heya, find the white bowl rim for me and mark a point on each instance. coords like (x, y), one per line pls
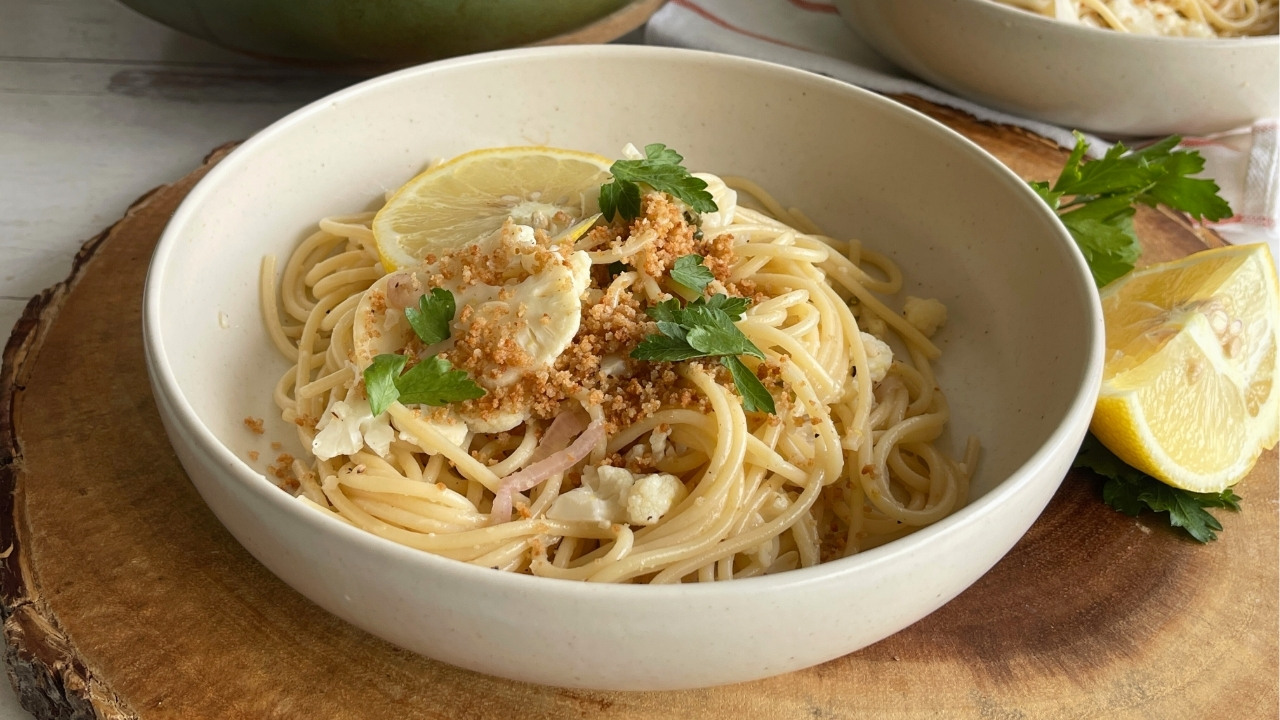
(1104, 35)
(162, 375)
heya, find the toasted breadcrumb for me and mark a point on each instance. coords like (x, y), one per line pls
(254, 424)
(281, 469)
(670, 236)
(596, 369)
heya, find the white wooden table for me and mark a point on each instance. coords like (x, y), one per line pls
(97, 106)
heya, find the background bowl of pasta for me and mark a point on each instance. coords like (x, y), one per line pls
(1079, 72)
(760, 533)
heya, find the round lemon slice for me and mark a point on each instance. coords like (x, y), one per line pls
(1189, 390)
(469, 198)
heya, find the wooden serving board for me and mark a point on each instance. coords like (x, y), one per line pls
(123, 597)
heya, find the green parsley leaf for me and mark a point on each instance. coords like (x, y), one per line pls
(734, 307)
(664, 348)
(1197, 197)
(673, 330)
(1186, 510)
(755, 398)
(666, 311)
(1071, 171)
(380, 381)
(1158, 148)
(1227, 499)
(661, 170)
(1046, 193)
(702, 329)
(1103, 194)
(620, 198)
(1130, 491)
(715, 340)
(435, 382)
(660, 154)
(1111, 249)
(714, 333)
(708, 322)
(430, 320)
(689, 271)
(431, 382)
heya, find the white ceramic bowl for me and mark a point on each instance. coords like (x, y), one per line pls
(1078, 77)
(1022, 349)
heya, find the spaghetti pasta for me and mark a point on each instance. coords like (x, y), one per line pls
(1191, 18)
(603, 467)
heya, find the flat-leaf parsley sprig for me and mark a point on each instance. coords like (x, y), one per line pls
(430, 320)
(1129, 491)
(433, 381)
(661, 170)
(705, 328)
(1100, 201)
(1101, 196)
(689, 271)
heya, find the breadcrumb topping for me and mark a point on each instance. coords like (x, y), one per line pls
(596, 368)
(610, 328)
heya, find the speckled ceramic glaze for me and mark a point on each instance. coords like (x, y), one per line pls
(386, 32)
(1078, 77)
(1021, 364)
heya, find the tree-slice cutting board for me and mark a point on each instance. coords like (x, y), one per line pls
(123, 597)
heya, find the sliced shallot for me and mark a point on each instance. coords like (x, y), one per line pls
(560, 433)
(403, 290)
(538, 472)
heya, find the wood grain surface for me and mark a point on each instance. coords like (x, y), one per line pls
(123, 597)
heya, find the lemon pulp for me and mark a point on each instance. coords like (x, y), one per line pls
(1188, 392)
(470, 197)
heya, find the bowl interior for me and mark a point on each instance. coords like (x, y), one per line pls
(963, 229)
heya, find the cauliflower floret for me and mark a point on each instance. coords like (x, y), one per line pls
(653, 451)
(879, 356)
(653, 496)
(658, 441)
(600, 498)
(925, 314)
(613, 484)
(873, 324)
(613, 366)
(348, 426)
(631, 152)
(581, 504)
(613, 495)
(451, 427)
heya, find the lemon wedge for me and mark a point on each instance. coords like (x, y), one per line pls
(1189, 383)
(469, 198)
